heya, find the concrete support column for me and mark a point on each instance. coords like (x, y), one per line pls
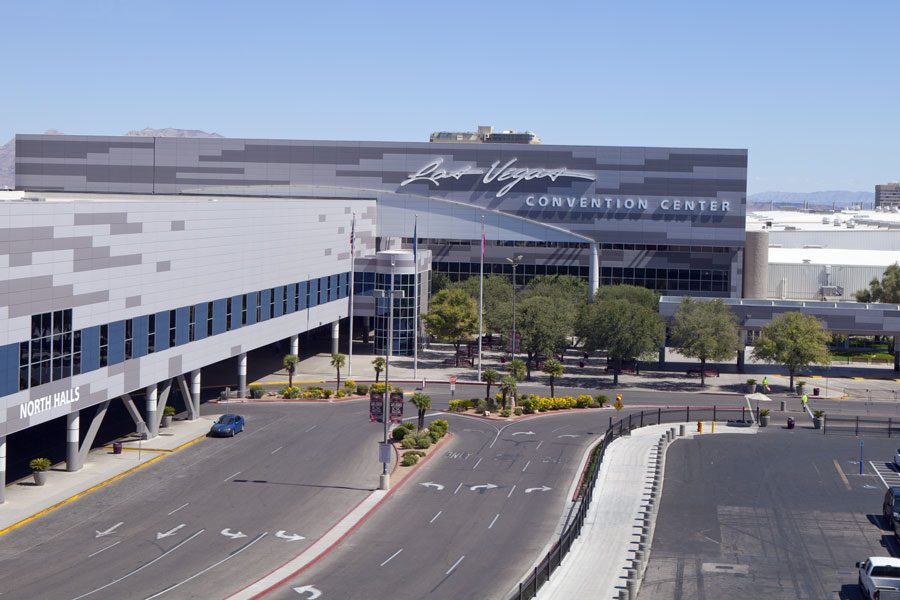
(594, 272)
(152, 419)
(335, 334)
(195, 392)
(72, 436)
(741, 355)
(2, 469)
(662, 357)
(242, 374)
(897, 360)
(295, 345)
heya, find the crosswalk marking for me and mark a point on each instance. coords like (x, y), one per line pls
(887, 473)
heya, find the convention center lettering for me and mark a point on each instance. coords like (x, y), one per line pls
(512, 175)
(45, 403)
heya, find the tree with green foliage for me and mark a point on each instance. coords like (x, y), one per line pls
(887, 290)
(554, 369)
(544, 326)
(453, 316)
(632, 293)
(422, 402)
(706, 330)
(378, 363)
(794, 340)
(290, 363)
(567, 295)
(337, 362)
(516, 369)
(508, 388)
(490, 377)
(497, 317)
(439, 281)
(623, 324)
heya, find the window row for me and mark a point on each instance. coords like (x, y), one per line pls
(585, 245)
(56, 352)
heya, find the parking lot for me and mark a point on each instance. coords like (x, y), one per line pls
(783, 514)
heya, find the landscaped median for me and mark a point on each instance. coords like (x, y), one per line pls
(528, 405)
(415, 445)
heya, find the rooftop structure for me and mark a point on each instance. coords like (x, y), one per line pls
(887, 195)
(485, 135)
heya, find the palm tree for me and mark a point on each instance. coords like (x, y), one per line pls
(507, 388)
(423, 403)
(516, 370)
(290, 363)
(378, 363)
(554, 369)
(337, 361)
(490, 377)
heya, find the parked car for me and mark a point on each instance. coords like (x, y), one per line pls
(897, 458)
(879, 578)
(708, 371)
(229, 425)
(890, 507)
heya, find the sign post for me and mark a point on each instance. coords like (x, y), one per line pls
(860, 457)
(618, 405)
(452, 385)
(376, 407)
(396, 404)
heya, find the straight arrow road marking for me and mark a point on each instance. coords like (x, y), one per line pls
(106, 532)
(313, 592)
(172, 531)
(438, 486)
(291, 537)
(233, 535)
(543, 488)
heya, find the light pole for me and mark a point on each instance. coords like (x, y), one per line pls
(385, 481)
(515, 263)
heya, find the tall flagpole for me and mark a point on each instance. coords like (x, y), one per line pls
(481, 298)
(416, 299)
(350, 352)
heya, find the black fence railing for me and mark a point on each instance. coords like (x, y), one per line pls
(541, 573)
(860, 425)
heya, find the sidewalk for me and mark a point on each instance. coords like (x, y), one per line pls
(26, 501)
(598, 563)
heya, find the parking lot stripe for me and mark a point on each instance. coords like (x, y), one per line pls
(841, 473)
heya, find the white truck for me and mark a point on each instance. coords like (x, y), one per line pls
(879, 578)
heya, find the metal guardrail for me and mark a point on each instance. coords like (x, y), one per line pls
(860, 425)
(542, 572)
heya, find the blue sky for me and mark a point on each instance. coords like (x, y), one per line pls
(812, 89)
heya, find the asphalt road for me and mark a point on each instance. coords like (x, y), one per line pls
(783, 514)
(470, 522)
(206, 521)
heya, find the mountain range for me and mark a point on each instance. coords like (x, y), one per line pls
(762, 200)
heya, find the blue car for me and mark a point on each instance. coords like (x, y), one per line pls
(227, 425)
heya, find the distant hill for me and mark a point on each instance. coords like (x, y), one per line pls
(837, 198)
(7, 150)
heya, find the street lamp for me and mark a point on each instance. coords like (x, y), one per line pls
(515, 262)
(385, 481)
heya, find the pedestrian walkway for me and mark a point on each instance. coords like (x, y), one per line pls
(597, 566)
(26, 501)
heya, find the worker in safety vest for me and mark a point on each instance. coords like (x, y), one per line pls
(804, 399)
(766, 384)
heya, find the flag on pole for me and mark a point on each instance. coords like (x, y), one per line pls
(352, 232)
(481, 298)
(416, 298)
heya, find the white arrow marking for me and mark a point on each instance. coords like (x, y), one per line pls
(108, 531)
(543, 488)
(228, 533)
(522, 433)
(314, 593)
(291, 537)
(172, 531)
(486, 486)
(432, 484)
(567, 435)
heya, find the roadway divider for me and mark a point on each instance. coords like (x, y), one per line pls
(542, 572)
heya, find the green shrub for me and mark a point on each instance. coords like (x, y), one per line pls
(765, 412)
(257, 391)
(399, 433)
(423, 442)
(290, 392)
(408, 442)
(505, 413)
(39, 464)
(408, 425)
(439, 424)
(340, 394)
(751, 381)
(482, 406)
(583, 401)
(409, 460)
(434, 436)
(529, 404)
(326, 393)
(818, 414)
(362, 389)
(377, 387)
(518, 411)
(169, 411)
(601, 400)
(594, 404)
(349, 386)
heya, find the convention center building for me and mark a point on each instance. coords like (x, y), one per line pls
(127, 264)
